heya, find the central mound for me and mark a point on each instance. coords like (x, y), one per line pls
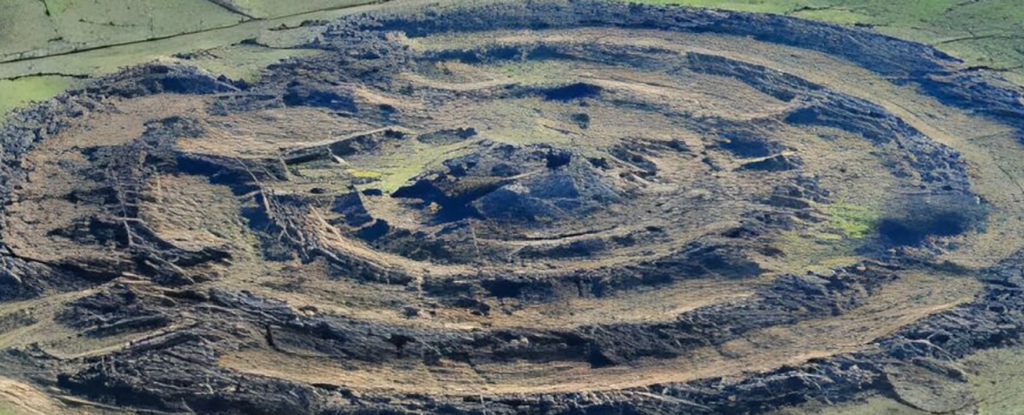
(487, 208)
(547, 154)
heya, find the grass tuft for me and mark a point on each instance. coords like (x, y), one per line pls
(853, 220)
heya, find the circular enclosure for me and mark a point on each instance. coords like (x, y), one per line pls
(521, 207)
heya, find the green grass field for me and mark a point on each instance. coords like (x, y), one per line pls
(90, 37)
(45, 46)
(42, 27)
(986, 33)
(18, 92)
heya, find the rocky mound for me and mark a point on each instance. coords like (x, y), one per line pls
(542, 207)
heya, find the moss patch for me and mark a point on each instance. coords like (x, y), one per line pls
(853, 220)
(823, 246)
